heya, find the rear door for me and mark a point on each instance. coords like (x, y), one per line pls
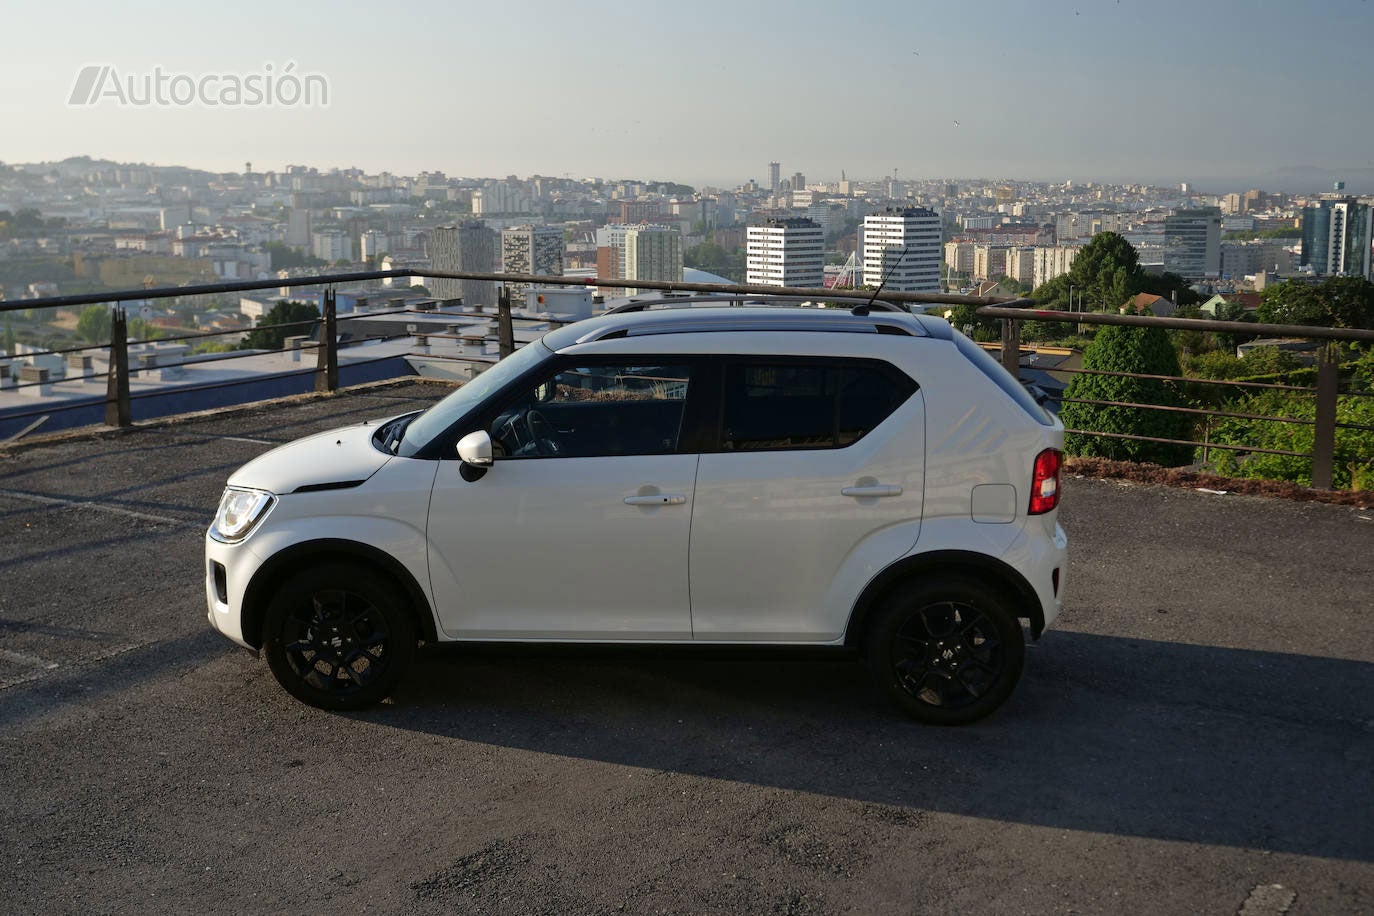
(811, 483)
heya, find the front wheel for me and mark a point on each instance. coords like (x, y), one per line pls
(336, 637)
(947, 649)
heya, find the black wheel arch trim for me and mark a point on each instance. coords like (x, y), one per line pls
(945, 561)
(259, 592)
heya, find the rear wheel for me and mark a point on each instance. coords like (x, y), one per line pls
(949, 650)
(337, 637)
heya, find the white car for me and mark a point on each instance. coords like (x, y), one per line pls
(771, 475)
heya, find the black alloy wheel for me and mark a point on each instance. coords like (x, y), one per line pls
(336, 637)
(947, 650)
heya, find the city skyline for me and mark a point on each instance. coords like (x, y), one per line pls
(1213, 94)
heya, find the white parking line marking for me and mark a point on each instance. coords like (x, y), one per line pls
(99, 507)
(31, 661)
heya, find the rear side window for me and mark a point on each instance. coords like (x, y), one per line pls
(780, 404)
(1003, 379)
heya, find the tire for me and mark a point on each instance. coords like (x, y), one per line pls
(947, 649)
(337, 637)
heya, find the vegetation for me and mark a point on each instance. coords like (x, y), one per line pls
(712, 258)
(1354, 461)
(285, 257)
(1243, 235)
(1136, 350)
(93, 324)
(1336, 302)
(300, 315)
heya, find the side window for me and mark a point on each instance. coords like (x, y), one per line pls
(782, 405)
(596, 410)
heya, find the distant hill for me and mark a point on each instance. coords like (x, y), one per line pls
(1307, 179)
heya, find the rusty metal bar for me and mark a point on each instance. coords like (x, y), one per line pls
(1193, 410)
(117, 406)
(327, 353)
(1232, 448)
(1178, 324)
(505, 330)
(1011, 346)
(1324, 439)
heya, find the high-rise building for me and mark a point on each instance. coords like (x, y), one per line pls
(903, 247)
(375, 243)
(989, 262)
(470, 247)
(1336, 237)
(610, 252)
(331, 245)
(774, 176)
(1052, 261)
(1192, 242)
(531, 250)
(786, 252)
(652, 253)
(1021, 264)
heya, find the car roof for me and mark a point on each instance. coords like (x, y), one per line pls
(754, 313)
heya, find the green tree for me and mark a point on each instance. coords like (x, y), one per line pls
(93, 324)
(1335, 302)
(965, 318)
(284, 256)
(1145, 351)
(300, 315)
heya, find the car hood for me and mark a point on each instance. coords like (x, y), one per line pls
(336, 459)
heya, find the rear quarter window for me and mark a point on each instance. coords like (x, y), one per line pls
(1003, 379)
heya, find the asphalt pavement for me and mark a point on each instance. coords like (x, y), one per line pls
(1194, 735)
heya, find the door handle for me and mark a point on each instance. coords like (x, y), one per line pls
(658, 499)
(875, 490)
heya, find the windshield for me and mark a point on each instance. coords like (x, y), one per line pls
(424, 428)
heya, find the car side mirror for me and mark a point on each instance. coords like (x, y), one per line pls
(474, 451)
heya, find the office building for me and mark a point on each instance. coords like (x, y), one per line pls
(531, 250)
(786, 252)
(652, 253)
(470, 247)
(1336, 237)
(1192, 242)
(902, 245)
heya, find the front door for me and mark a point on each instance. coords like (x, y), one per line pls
(580, 528)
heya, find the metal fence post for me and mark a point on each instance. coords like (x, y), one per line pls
(1011, 346)
(505, 330)
(117, 408)
(327, 356)
(1324, 434)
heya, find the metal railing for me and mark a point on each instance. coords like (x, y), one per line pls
(1326, 392)
(1011, 313)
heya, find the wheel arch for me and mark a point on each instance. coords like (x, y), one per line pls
(986, 569)
(291, 559)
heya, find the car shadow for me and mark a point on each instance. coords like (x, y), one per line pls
(1105, 734)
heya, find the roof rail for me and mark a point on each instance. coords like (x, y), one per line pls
(737, 300)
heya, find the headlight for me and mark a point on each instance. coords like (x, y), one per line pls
(239, 511)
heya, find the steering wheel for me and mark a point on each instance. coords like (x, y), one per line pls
(543, 433)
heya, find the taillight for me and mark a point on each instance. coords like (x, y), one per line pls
(1045, 481)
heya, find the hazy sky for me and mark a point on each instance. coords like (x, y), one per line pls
(708, 92)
